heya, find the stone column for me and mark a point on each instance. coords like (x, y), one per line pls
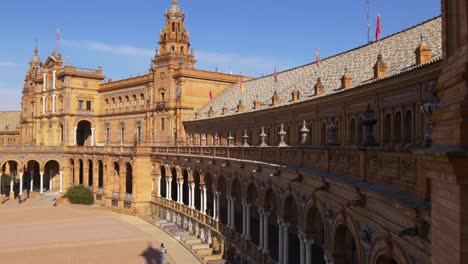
(280, 242)
(260, 238)
(92, 136)
(53, 79)
(192, 186)
(217, 205)
(53, 103)
(158, 193)
(12, 183)
(43, 104)
(42, 181)
(21, 183)
(0, 183)
(265, 232)
(61, 182)
(214, 204)
(301, 249)
(190, 196)
(74, 135)
(247, 220)
(286, 243)
(44, 81)
(169, 188)
(244, 225)
(228, 211)
(31, 183)
(233, 226)
(50, 180)
(204, 200)
(308, 251)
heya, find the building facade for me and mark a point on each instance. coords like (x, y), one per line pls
(361, 159)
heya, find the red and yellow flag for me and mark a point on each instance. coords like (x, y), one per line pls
(378, 28)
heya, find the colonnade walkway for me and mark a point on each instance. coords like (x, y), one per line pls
(37, 232)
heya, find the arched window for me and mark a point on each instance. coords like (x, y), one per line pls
(120, 104)
(398, 128)
(113, 104)
(388, 129)
(352, 132)
(107, 105)
(181, 50)
(408, 127)
(135, 103)
(127, 103)
(173, 27)
(142, 101)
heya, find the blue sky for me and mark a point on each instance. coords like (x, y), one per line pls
(248, 36)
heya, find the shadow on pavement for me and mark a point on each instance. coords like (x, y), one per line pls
(152, 255)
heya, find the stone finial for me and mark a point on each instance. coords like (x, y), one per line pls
(240, 107)
(230, 139)
(423, 52)
(295, 95)
(319, 88)
(68, 63)
(263, 136)
(275, 99)
(304, 132)
(211, 112)
(225, 110)
(257, 104)
(245, 138)
(380, 69)
(346, 80)
(282, 135)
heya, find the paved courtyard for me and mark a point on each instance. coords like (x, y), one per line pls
(36, 232)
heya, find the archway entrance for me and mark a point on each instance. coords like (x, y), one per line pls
(9, 178)
(314, 230)
(345, 250)
(51, 171)
(34, 179)
(83, 133)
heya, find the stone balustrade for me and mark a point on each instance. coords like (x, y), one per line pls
(391, 167)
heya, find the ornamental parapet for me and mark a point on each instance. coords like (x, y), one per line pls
(396, 168)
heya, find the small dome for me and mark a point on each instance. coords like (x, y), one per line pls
(175, 8)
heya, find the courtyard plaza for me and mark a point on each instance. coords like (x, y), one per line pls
(37, 232)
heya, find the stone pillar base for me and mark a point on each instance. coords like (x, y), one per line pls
(12, 195)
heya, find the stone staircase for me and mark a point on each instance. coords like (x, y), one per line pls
(198, 244)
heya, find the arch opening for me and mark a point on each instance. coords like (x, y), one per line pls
(83, 133)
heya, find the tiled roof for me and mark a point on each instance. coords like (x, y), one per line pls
(10, 120)
(398, 52)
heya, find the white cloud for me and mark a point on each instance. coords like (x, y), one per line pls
(226, 62)
(109, 48)
(8, 64)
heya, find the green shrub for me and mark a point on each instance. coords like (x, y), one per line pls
(79, 195)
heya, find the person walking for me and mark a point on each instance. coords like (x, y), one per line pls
(163, 253)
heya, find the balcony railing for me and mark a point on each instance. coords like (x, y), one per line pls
(391, 167)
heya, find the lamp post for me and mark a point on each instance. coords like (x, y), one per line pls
(428, 108)
(369, 122)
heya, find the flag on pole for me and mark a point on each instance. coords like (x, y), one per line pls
(275, 75)
(58, 34)
(241, 86)
(378, 29)
(317, 57)
(211, 95)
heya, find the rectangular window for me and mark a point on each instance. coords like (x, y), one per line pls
(85, 84)
(88, 105)
(162, 123)
(80, 104)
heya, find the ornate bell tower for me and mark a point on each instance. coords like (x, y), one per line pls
(174, 41)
